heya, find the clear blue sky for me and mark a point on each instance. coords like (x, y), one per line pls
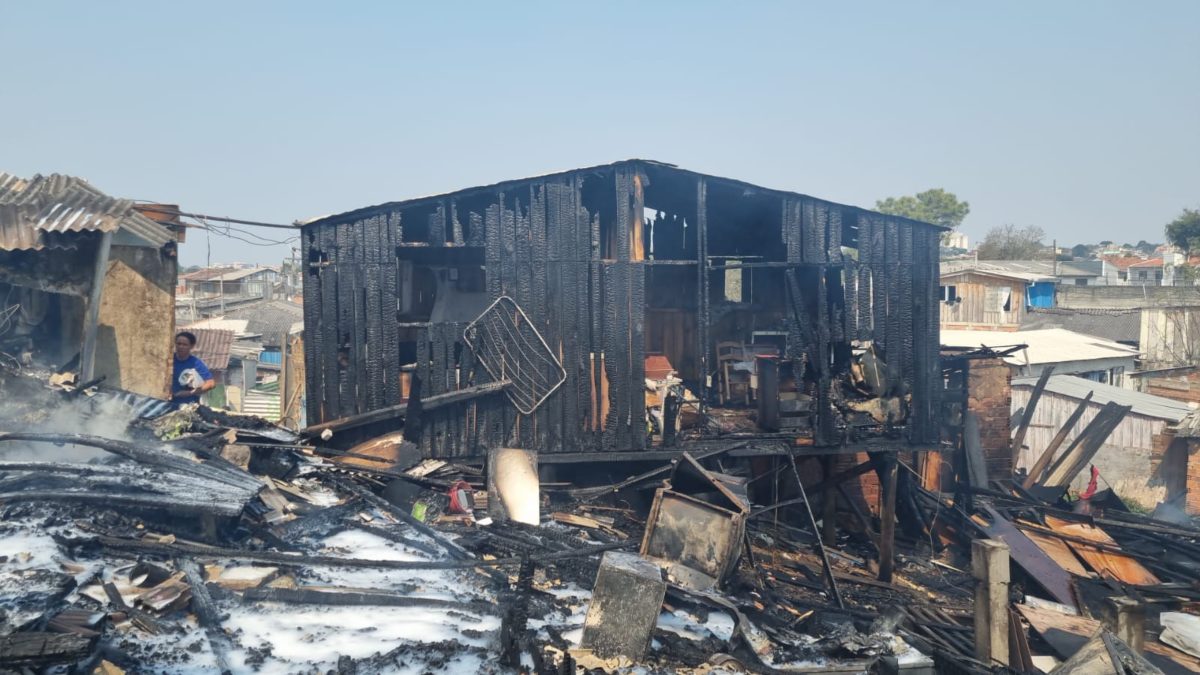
(1082, 118)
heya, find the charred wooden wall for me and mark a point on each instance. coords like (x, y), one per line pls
(568, 249)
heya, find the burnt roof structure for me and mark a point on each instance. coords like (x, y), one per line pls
(607, 265)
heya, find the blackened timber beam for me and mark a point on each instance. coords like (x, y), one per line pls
(392, 412)
(354, 597)
(91, 326)
(1019, 439)
(144, 546)
(887, 520)
(812, 520)
(1035, 473)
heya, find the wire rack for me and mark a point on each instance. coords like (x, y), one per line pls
(510, 348)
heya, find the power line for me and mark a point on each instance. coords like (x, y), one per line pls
(163, 208)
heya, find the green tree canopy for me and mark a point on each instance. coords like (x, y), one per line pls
(1009, 242)
(931, 206)
(1184, 231)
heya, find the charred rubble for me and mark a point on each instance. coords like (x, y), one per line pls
(622, 419)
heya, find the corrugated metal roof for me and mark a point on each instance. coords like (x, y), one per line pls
(272, 319)
(1049, 345)
(1118, 325)
(1026, 270)
(212, 347)
(236, 326)
(261, 404)
(36, 213)
(1077, 388)
(225, 273)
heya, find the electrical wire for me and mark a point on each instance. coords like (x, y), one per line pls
(239, 234)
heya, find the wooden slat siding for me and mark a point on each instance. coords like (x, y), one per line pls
(456, 227)
(793, 233)
(826, 428)
(376, 380)
(347, 265)
(437, 226)
(313, 355)
(554, 233)
(493, 251)
(422, 372)
(702, 315)
(924, 328)
(894, 335)
(833, 255)
(329, 324)
(364, 373)
(850, 289)
(476, 235)
(595, 302)
(972, 309)
(582, 340)
(866, 324)
(903, 291)
(635, 381)
(879, 282)
(389, 306)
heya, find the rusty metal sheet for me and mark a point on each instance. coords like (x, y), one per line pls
(1067, 634)
(1059, 551)
(1108, 564)
(1039, 566)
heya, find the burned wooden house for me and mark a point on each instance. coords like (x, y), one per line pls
(87, 282)
(622, 308)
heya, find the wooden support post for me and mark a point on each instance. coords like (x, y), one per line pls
(91, 324)
(989, 565)
(1129, 622)
(887, 519)
(829, 497)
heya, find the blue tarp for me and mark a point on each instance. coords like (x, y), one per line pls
(1041, 294)
(273, 358)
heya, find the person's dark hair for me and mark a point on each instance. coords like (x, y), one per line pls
(187, 335)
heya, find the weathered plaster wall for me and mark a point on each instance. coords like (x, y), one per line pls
(137, 321)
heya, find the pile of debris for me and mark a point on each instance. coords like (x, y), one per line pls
(203, 542)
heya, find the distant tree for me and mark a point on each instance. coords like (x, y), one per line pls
(1184, 231)
(1106, 242)
(1009, 242)
(931, 206)
(1146, 247)
(1081, 250)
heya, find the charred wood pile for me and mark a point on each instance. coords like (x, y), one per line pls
(197, 541)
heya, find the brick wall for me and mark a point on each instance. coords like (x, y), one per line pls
(989, 396)
(1193, 477)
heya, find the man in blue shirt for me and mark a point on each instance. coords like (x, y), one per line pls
(191, 377)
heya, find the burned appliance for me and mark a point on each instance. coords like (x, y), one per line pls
(696, 525)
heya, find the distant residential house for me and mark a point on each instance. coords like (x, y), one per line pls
(1070, 353)
(253, 282)
(1137, 459)
(1147, 273)
(956, 240)
(987, 298)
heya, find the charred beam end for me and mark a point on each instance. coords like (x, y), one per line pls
(392, 412)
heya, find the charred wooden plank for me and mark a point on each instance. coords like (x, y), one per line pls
(39, 650)
(344, 597)
(392, 412)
